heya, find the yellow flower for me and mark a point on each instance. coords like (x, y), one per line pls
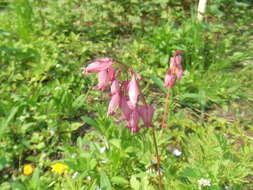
(27, 169)
(59, 167)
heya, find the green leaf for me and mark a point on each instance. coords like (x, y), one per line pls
(75, 126)
(116, 143)
(90, 121)
(104, 181)
(158, 82)
(135, 184)
(119, 180)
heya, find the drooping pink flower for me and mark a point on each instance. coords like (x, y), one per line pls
(133, 121)
(98, 65)
(146, 112)
(111, 73)
(179, 72)
(103, 80)
(114, 102)
(178, 52)
(169, 78)
(133, 91)
(125, 107)
(115, 88)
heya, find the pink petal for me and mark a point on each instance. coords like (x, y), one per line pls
(179, 72)
(103, 80)
(133, 121)
(115, 100)
(146, 112)
(115, 87)
(178, 59)
(98, 65)
(169, 78)
(178, 52)
(173, 63)
(125, 107)
(111, 73)
(133, 91)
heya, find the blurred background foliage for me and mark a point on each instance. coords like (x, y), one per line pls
(49, 112)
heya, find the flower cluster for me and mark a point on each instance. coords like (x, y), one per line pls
(125, 94)
(175, 71)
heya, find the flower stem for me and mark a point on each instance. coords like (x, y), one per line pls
(158, 159)
(165, 109)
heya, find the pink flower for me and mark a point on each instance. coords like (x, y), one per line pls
(115, 87)
(146, 112)
(104, 77)
(98, 65)
(125, 107)
(175, 65)
(169, 78)
(179, 72)
(103, 80)
(114, 102)
(133, 91)
(133, 121)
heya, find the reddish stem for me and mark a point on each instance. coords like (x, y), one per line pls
(165, 112)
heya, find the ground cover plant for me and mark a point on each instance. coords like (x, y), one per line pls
(54, 130)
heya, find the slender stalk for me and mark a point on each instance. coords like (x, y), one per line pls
(165, 109)
(158, 159)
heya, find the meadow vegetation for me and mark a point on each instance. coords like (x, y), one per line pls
(54, 131)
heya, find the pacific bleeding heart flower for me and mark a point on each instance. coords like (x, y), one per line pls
(175, 70)
(125, 107)
(124, 94)
(98, 65)
(115, 87)
(133, 121)
(114, 102)
(103, 80)
(169, 79)
(146, 112)
(133, 91)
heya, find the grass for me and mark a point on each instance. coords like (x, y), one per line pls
(49, 112)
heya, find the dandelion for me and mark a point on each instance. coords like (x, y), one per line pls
(59, 168)
(27, 169)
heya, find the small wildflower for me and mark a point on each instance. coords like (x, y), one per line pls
(52, 132)
(105, 160)
(176, 152)
(204, 182)
(102, 150)
(88, 178)
(28, 169)
(75, 175)
(59, 168)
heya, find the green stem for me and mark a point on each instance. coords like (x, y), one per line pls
(158, 159)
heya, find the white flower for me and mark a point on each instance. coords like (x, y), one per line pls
(102, 150)
(57, 65)
(176, 152)
(105, 160)
(88, 178)
(52, 132)
(204, 182)
(75, 175)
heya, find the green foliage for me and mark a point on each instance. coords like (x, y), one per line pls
(49, 112)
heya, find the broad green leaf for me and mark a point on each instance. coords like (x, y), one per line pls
(105, 183)
(119, 180)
